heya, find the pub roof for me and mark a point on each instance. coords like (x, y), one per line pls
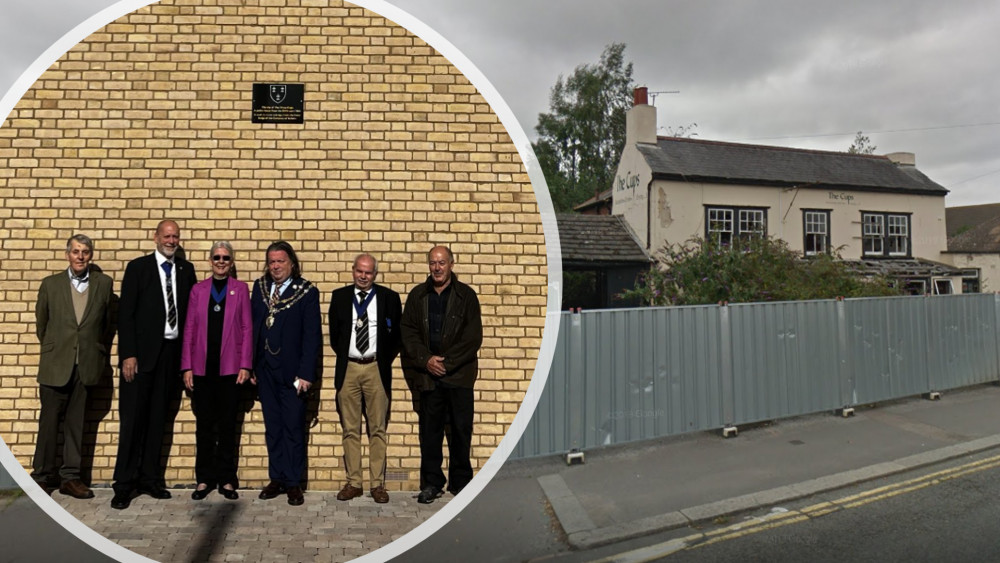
(697, 160)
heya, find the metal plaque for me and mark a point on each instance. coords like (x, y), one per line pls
(278, 103)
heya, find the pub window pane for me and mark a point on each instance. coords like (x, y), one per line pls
(752, 222)
(873, 234)
(720, 225)
(899, 234)
(817, 232)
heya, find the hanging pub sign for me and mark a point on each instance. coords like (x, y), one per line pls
(278, 103)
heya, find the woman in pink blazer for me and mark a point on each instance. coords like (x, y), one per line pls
(216, 358)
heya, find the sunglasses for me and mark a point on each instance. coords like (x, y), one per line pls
(220, 257)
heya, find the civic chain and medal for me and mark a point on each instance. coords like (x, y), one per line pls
(277, 304)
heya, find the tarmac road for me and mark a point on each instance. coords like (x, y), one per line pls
(944, 513)
(542, 509)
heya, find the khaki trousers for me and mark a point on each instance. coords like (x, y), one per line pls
(363, 381)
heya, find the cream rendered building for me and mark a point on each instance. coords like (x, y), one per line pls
(880, 211)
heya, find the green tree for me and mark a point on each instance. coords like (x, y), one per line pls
(861, 145)
(754, 270)
(581, 137)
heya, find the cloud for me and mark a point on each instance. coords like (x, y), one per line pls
(745, 69)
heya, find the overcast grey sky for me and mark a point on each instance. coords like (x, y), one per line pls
(917, 76)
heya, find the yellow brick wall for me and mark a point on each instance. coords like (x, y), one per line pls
(149, 118)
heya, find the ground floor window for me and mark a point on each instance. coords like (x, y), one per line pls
(885, 234)
(817, 231)
(724, 224)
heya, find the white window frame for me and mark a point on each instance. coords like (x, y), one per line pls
(816, 229)
(753, 223)
(721, 227)
(897, 235)
(885, 234)
(724, 224)
(873, 234)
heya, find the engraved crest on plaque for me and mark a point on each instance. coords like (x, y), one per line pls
(278, 92)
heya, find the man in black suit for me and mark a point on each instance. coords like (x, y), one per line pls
(364, 334)
(287, 335)
(154, 298)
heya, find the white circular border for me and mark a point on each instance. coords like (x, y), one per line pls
(552, 248)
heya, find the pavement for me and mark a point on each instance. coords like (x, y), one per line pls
(543, 509)
(250, 529)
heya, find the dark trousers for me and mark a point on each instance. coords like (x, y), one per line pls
(69, 402)
(455, 406)
(215, 399)
(142, 410)
(284, 427)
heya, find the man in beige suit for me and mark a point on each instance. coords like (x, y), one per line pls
(73, 323)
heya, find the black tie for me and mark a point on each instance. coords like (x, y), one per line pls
(362, 326)
(171, 308)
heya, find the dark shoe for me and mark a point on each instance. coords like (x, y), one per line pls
(156, 492)
(76, 489)
(272, 490)
(199, 494)
(121, 500)
(230, 494)
(428, 494)
(349, 492)
(47, 485)
(380, 495)
(295, 497)
(454, 491)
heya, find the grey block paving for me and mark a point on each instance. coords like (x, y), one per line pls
(251, 530)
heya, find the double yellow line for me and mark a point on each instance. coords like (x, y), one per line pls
(779, 519)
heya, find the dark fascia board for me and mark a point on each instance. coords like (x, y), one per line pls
(779, 184)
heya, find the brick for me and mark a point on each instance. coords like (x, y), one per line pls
(148, 117)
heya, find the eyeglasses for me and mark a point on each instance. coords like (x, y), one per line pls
(221, 258)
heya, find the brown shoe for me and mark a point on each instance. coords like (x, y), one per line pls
(380, 495)
(76, 489)
(272, 490)
(295, 497)
(349, 492)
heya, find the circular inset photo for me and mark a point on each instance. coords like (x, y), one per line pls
(276, 281)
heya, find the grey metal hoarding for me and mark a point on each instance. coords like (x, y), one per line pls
(632, 374)
(6, 481)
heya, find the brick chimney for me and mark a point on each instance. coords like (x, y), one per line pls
(640, 121)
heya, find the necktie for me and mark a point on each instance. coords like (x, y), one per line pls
(275, 294)
(171, 308)
(362, 326)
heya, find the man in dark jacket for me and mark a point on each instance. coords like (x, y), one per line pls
(442, 331)
(364, 333)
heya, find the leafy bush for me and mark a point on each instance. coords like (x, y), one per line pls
(750, 270)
